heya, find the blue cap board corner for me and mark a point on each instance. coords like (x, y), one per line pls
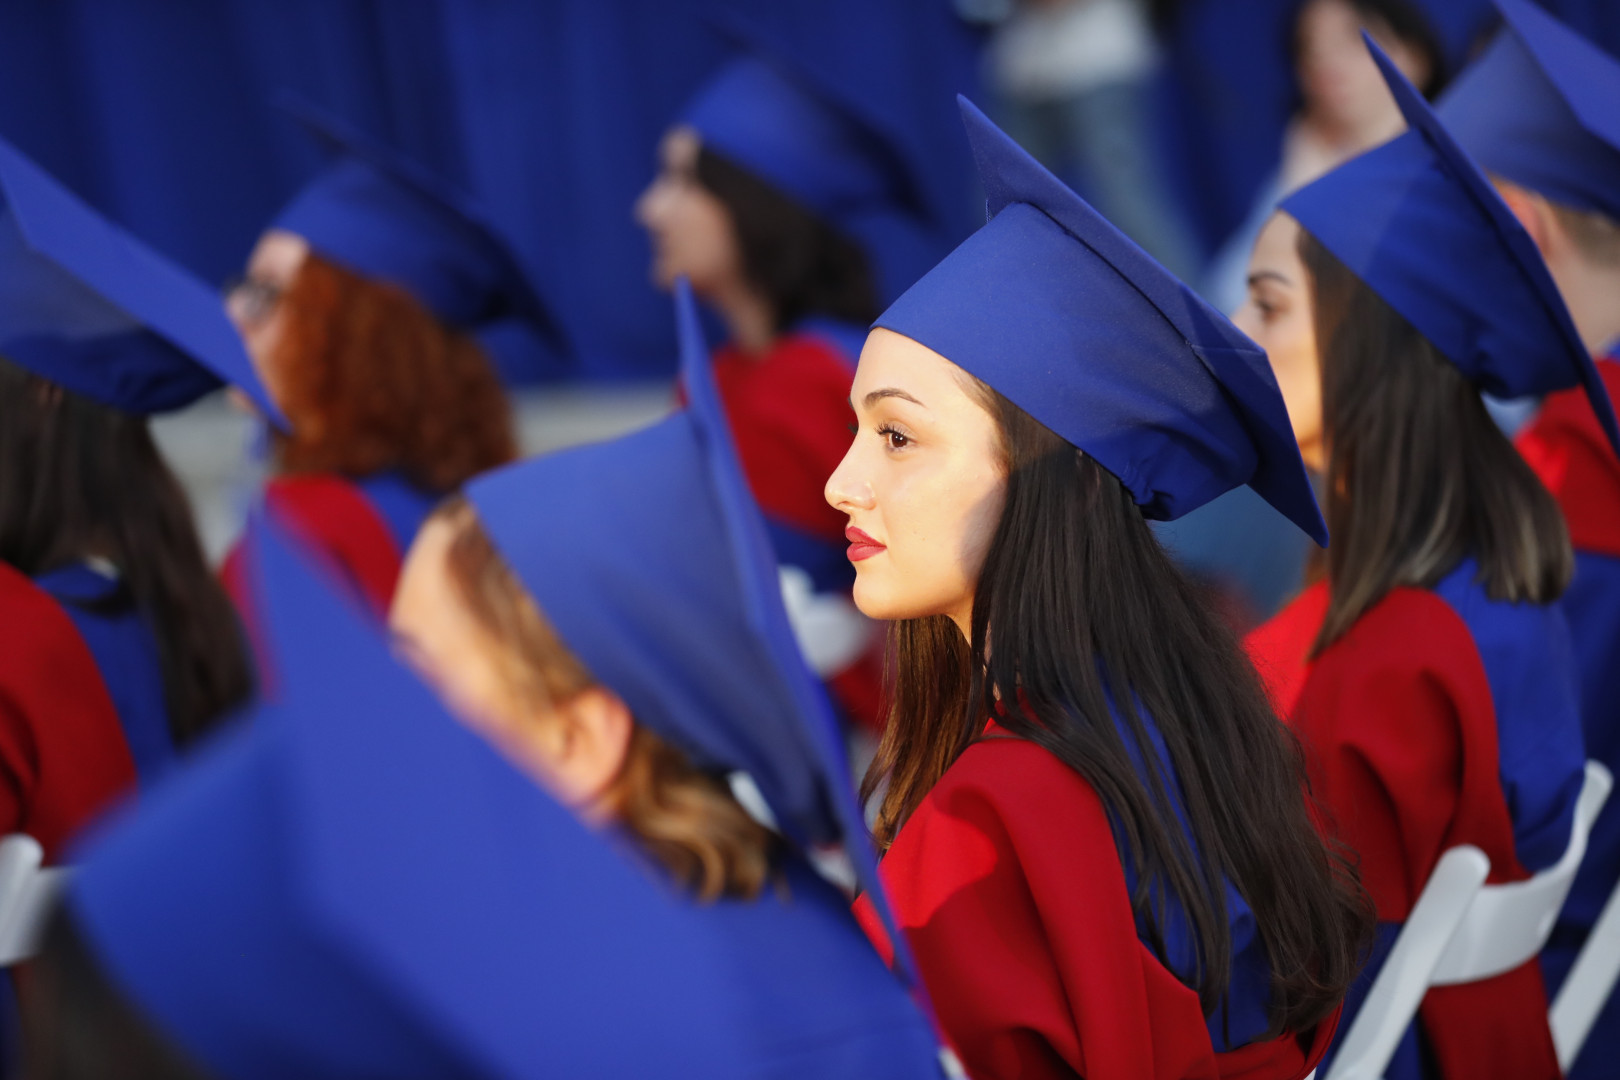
(1538, 109)
(88, 306)
(382, 214)
(1055, 308)
(1420, 223)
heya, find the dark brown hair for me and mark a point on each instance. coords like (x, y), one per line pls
(1418, 475)
(685, 818)
(1091, 618)
(371, 380)
(79, 478)
(802, 265)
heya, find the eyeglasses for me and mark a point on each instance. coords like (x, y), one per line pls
(253, 300)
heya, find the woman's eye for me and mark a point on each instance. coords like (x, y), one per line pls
(895, 439)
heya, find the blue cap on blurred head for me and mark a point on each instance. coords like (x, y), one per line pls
(650, 559)
(1417, 221)
(386, 217)
(1541, 108)
(87, 306)
(299, 902)
(1059, 311)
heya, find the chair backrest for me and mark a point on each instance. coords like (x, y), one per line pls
(1587, 987)
(1508, 924)
(1461, 930)
(28, 892)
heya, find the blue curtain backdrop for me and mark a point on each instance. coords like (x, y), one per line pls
(159, 113)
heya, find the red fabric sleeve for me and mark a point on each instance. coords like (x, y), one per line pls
(789, 414)
(63, 757)
(1400, 733)
(336, 520)
(1280, 646)
(1025, 937)
(1567, 449)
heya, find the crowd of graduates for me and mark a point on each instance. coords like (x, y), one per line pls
(467, 765)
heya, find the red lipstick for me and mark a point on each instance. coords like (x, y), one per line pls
(861, 546)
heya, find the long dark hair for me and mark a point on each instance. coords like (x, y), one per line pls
(1088, 614)
(803, 265)
(81, 479)
(1418, 475)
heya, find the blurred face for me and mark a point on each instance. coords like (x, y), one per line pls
(1340, 83)
(923, 483)
(575, 749)
(691, 230)
(1279, 316)
(255, 306)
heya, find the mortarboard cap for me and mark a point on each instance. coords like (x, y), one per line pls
(1422, 227)
(650, 558)
(1541, 108)
(382, 215)
(89, 307)
(1055, 308)
(357, 885)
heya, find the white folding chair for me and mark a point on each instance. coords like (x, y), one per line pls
(1587, 986)
(28, 892)
(1460, 931)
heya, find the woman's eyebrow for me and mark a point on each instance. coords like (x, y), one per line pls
(1268, 275)
(888, 392)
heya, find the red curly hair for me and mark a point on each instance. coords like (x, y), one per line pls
(371, 380)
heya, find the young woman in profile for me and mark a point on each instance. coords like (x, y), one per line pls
(1097, 840)
(359, 307)
(763, 190)
(1430, 672)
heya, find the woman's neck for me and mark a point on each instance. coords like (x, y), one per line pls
(749, 317)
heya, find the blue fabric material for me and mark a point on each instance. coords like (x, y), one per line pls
(827, 564)
(126, 655)
(1407, 1061)
(89, 307)
(1242, 1018)
(295, 903)
(402, 505)
(1418, 222)
(1055, 308)
(1530, 664)
(1538, 108)
(381, 214)
(663, 582)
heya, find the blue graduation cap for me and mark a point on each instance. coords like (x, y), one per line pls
(1417, 221)
(1541, 107)
(89, 307)
(357, 885)
(1058, 310)
(650, 558)
(387, 217)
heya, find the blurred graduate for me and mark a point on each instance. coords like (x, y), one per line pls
(1537, 111)
(1097, 841)
(778, 196)
(1430, 674)
(563, 883)
(361, 307)
(117, 645)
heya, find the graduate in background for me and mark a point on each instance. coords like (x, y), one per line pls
(357, 885)
(775, 197)
(1539, 112)
(1430, 674)
(1097, 841)
(117, 644)
(359, 307)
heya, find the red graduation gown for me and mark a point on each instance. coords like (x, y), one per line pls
(789, 414)
(1012, 895)
(1400, 734)
(334, 517)
(1567, 449)
(63, 754)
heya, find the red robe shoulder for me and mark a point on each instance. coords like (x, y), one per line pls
(1566, 447)
(63, 756)
(1399, 731)
(1026, 940)
(335, 518)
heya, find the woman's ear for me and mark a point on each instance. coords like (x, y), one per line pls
(591, 742)
(1533, 213)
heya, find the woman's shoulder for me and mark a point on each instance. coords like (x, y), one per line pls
(1014, 781)
(33, 624)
